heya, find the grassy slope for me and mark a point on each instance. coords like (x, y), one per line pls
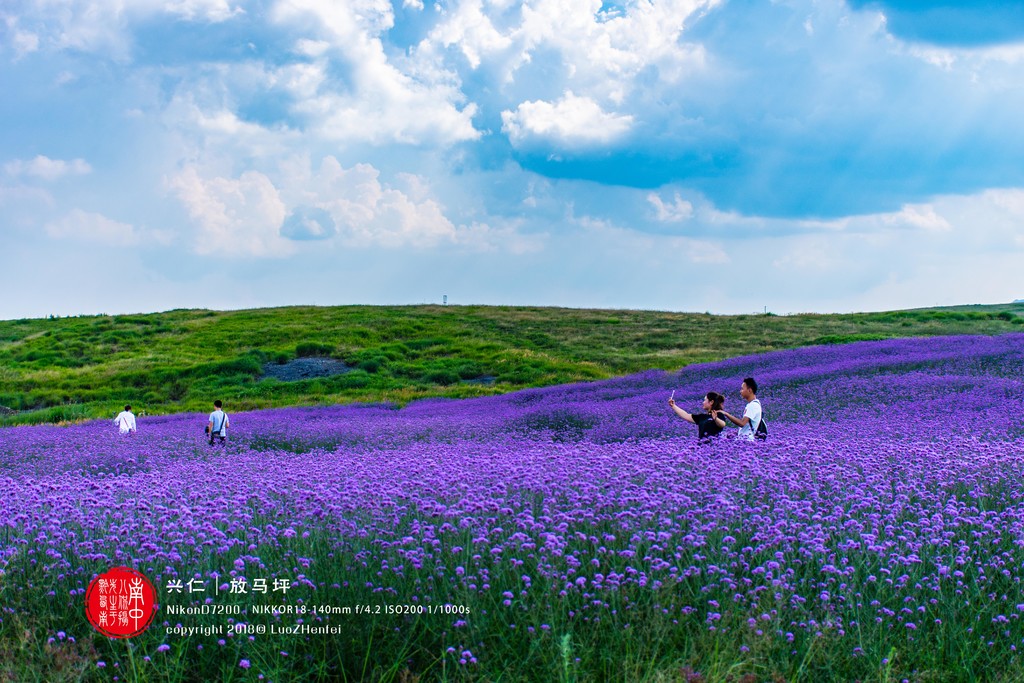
(71, 368)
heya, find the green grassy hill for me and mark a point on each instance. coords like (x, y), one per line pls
(72, 368)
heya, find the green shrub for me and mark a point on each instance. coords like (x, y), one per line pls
(258, 355)
(421, 344)
(848, 338)
(356, 379)
(394, 352)
(442, 377)
(13, 401)
(521, 375)
(249, 366)
(372, 364)
(313, 349)
(176, 390)
(470, 370)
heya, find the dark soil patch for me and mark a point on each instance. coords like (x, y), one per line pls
(304, 368)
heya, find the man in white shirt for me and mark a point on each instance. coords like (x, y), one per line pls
(751, 414)
(218, 425)
(125, 421)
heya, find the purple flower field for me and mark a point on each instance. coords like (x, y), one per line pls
(573, 533)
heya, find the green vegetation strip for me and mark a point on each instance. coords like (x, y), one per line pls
(66, 369)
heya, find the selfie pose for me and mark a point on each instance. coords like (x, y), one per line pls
(708, 422)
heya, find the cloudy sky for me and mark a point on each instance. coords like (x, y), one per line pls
(689, 155)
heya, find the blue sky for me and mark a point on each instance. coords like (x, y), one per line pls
(691, 155)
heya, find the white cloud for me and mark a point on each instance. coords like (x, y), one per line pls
(939, 216)
(595, 53)
(21, 192)
(227, 123)
(936, 56)
(947, 58)
(202, 113)
(45, 168)
(207, 10)
(383, 101)
(83, 226)
(254, 215)
(500, 236)
(24, 43)
(312, 48)
(918, 217)
(104, 26)
(676, 212)
(308, 223)
(986, 221)
(704, 251)
(612, 239)
(808, 253)
(852, 256)
(469, 28)
(1010, 54)
(572, 121)
(1009, 202)
(236, 216)
(366, 211)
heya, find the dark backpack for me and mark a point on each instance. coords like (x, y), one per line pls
(761, 434)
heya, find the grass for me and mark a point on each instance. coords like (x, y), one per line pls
(69, 369)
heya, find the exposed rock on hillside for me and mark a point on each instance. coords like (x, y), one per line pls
(305, 368)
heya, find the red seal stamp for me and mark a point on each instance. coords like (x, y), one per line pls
(120, 603)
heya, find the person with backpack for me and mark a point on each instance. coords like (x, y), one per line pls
(217, 428)
(125, 421)
(709, 423)
(750, 424)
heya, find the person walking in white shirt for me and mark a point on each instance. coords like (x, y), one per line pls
(125, 421)
(218, 425)
(751, 414)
